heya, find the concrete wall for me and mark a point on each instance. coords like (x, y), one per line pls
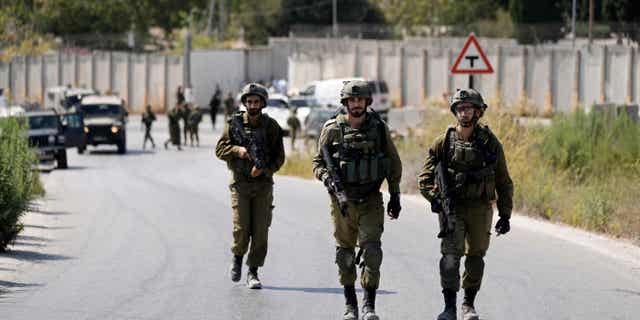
(139, 79)
(545, 77)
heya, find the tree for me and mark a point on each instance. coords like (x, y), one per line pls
(319, 13)
(537, 20)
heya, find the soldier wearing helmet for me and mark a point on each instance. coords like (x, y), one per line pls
(251, 186)
(364, 155)
(476, 169)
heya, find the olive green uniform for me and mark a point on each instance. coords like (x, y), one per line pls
(174, 126)
(252, 198)
(366, 156)
(194, 123)
(477, 169)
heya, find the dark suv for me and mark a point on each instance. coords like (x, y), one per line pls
(105, 121)
(46, 135)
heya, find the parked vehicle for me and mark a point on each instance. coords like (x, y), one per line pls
(278, 109)
(105, 121)
(46, 135)
(327, 93)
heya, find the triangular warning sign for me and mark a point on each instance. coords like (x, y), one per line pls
(472, 59)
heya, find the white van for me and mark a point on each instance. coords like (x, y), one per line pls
(327, 93)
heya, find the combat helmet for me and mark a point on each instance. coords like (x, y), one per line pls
(355, 88)
(468, 95)
(254, 89)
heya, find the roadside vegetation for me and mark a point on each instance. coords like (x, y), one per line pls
(19, 184)
(582, 170)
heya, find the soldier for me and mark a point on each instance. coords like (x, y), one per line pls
(174, 127)
(475, 167)
(180, 95)
(361, 144)
(148, 117)
(185, 113)
(229, 108)
(194, 123)
(294, 126)
(252, 168)
(214, 105)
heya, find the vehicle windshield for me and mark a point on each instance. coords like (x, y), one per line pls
(101, 110)
(299, 103)
(375, 85)
(276, 103)
(73, 100)
(43, 122)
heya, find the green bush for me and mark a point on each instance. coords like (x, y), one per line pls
(19, 184)
(591, 144)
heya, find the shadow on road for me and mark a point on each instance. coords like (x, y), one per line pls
(49, 213)
(628, 292)
(320, 290)
(130, 152)
(32, 238)
(9, 284)
(4, 285)
(46, 227)
(26, 255)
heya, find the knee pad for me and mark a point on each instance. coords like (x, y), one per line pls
(450, 263)
(345, 258)
(372, 255)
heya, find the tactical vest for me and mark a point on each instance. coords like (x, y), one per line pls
(471, 165)
(242, 167)
(363, 165)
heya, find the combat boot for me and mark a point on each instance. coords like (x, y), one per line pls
(235, 271)
(369, 305)
(468, 309)
(449, 312)
(351, 305)
(253, 282)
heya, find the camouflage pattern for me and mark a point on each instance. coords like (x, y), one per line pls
(467, 95)
(254, 89)
(356, 88)
(364, 223)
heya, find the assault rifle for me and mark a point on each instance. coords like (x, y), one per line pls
(332, 182)
(255, 148)
(444, 205)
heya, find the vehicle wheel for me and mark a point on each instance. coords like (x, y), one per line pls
(122, 147)
(82, 149)
(61, 159)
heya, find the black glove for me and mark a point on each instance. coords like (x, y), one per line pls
(503, 226)
(436, 205)
(393, 207)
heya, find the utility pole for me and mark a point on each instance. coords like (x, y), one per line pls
(573, 22)
(590, 21)
(212, 8)
(222, 18)
(335, 18)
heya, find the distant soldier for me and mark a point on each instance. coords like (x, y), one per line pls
(180, 95)
(229, 108)
(174, 127)
(294, 126)
(214, 105)
(148, 117)
(356, 155)
(472, 163)
(185, 113)
(251, 144)
(194, 123)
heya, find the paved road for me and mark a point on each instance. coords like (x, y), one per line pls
(146, 236)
